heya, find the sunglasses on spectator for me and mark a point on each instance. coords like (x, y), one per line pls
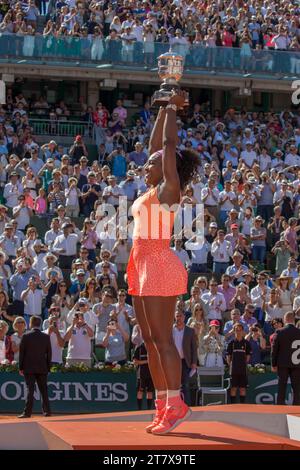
(122, 295)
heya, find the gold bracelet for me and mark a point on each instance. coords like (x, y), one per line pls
(172, 106)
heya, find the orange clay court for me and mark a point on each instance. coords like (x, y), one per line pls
(227, 427)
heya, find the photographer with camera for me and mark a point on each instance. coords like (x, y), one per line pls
(114, 342)
(56, 338)
(33, 297)
(78, 149)
(79, 336)
(257, 343)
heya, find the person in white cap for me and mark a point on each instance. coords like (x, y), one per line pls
(282, 193)
(49, 260)
(277, 161)
(22, 213)
(129, 187)
(38, 260)
(12, 190)
(292, 158)
(249, 156)
(9, 242)
(112, 192)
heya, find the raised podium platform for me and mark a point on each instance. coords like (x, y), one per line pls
(227, 427)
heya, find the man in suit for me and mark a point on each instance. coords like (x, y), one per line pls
(286, 358)
(186, 344)
(34, 365)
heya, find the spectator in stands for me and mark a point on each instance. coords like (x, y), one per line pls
(6, 352)
(257, 343)
(138, 156)
(114, 343)
(78, 149)
(214, 344)
(79, 337)
(241, 298)
(199, 323)
(123, 312)
(22, 213)
(90, 193)
(228, 331)
(214, 302)
(57, 339)
(221, 251)
(65, 246)
(103, 311)
(238, 356)
(19, 327)
(9, 242)
(32, 298)
(12, 190)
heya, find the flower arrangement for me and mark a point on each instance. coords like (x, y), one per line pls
(98, 367)
(6, 366)
(258, 369)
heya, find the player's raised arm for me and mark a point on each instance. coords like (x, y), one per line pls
(156, 138)
(170, 189)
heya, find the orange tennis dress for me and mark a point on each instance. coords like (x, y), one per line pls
(153, 268)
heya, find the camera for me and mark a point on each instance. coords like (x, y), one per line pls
(55, 324)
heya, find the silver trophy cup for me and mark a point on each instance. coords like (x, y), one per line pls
(170, 70)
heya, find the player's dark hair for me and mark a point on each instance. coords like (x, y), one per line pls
(187, 162)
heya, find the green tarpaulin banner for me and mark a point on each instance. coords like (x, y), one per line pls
(100, 392)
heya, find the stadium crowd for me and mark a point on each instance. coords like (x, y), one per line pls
(128, 30)
(63, 260)
(59, 261)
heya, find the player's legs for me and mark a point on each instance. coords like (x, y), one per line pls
(159, 312)
(156, 370)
